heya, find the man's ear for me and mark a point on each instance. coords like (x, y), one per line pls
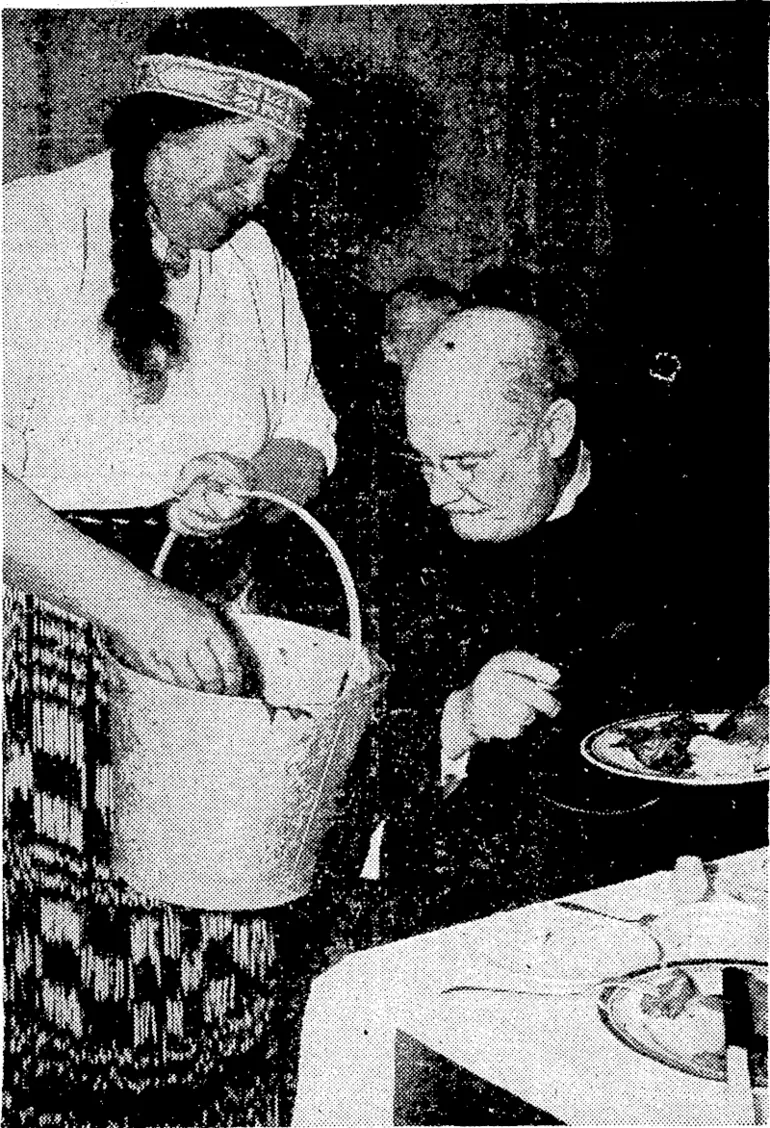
(559, 426)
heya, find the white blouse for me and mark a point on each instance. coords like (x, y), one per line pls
(74, 432)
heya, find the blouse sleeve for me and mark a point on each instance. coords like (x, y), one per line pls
(299, 409)
(306, 415)
(40, 257)
(24, 239)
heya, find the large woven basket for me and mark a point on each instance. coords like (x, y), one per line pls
(223, 802)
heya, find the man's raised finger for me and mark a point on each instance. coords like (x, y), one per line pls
(524, 692)
(518, 662)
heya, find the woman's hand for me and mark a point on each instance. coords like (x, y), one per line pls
(176, 638)
(155, 628)
(204, 508)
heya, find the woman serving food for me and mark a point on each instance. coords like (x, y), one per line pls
(155, 351)
(148, 323)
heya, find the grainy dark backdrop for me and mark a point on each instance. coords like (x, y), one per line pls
(544, 115)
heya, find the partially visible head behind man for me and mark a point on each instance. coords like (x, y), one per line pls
(414, 311)
(218, 106)
(488, 409)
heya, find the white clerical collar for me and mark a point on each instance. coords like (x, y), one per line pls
(574, 486)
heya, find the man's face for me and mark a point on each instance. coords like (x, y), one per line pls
(485, 460)
(205, 183)
(410, 326)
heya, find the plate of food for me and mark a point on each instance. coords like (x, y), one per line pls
(675, 1015)
(700, 749)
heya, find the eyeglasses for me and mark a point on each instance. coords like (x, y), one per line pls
(461, 468)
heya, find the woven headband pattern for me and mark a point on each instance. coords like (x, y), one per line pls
(227, 88)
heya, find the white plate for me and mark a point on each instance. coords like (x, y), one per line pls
(601, 750)
(693, 1042)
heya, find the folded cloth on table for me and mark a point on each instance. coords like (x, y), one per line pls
(547, 949)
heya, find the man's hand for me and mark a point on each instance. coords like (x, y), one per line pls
(204, 507)
(506, 696)
(290, 468)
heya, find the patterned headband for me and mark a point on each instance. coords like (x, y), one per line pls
(227, 88)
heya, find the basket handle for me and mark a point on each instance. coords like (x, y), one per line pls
(351, 596)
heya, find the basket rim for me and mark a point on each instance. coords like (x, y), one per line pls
(380, 673)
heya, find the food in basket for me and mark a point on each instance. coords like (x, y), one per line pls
(683, 745)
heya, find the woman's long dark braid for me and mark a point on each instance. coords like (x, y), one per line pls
(147, 336)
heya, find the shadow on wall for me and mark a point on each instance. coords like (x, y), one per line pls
(363, 173)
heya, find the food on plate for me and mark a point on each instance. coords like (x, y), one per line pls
(744, 725)
(669, 995)
(683, 1020)
(682, 745)
(721, 757)
(739, 743)
(664, 745)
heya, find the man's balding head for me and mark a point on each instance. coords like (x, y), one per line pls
(486, 408)
(494, 352)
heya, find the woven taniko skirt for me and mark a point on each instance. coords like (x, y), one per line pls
(119, 1010)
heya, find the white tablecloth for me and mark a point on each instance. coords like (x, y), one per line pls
(553, 1052)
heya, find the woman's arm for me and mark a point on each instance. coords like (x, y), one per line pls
(306, 417)
(159, 630)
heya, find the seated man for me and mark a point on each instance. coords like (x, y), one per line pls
(549, 610)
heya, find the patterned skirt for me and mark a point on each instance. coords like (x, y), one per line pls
(119, 1010)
